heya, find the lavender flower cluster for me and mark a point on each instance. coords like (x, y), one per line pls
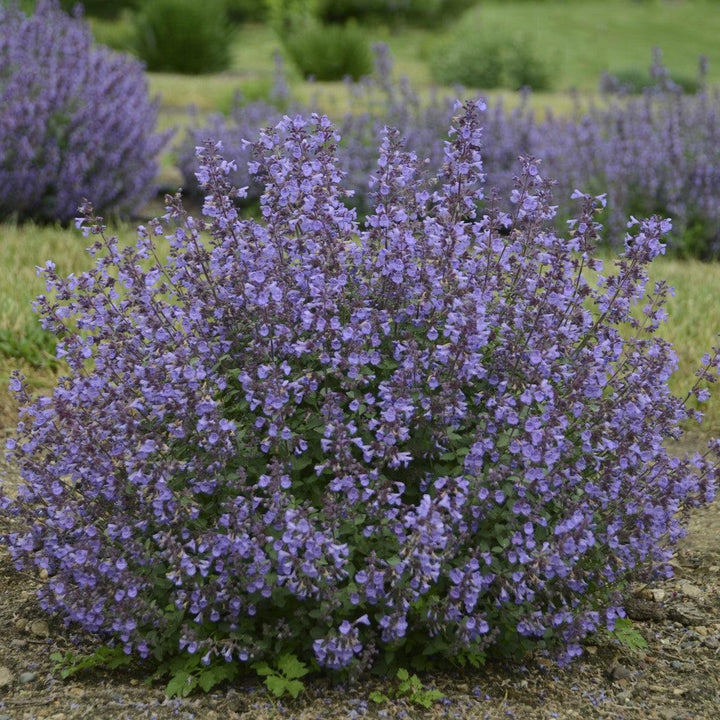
(657, 153)
(75, 119)
(428, 436)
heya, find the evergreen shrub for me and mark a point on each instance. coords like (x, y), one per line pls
(429, 438)
(75, 120)
(184, 36)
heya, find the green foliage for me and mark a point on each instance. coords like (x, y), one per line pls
(409, 687)
(424, 13)
(489, 60)
(330, 52)
(635, 80)
(241, 11)
(469, 61)
(101, 8)
(188, 673)
(524, 67)
(118, 33)
(285, 677)
(70, 663)
(184, 36)
(627, 634)
(289, 16)
(34, 345)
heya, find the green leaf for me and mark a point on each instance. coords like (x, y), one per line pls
(402, 674)
(427, 697)
(215, 674)
(177, 685)
(291, 667)
(262, 668)
(276, 685)
(626, 633)
(294, 687)
(378, 697)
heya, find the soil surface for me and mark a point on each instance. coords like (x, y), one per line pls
(676, 677)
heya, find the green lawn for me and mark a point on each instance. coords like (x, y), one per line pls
(582, 39)
(579, 39)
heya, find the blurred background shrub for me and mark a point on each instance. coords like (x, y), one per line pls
(75, 120)
(184, 36)
(330, 52)
(489, 59)
(427, 13)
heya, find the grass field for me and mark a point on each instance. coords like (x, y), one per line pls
(579, 39)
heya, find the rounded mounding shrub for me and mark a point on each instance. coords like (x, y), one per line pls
(422, 440)
(184, 36)
(75, 120)
(470, 60)
(330, 52)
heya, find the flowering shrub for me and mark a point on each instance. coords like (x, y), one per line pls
(75, 120)
(384, 102)
(425, 439)
(658, 153)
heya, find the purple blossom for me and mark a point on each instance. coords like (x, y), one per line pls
(75, 120)
(261, 448)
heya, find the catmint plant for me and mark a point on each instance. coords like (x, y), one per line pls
(428, 437)
(75, 120)
(657, 153)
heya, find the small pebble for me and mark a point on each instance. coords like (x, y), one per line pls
(27, 677)
(701, 630)
(619, 672)
(690, 590)
(18, 643)
(43, 574)
(40, 628)
(6, 676)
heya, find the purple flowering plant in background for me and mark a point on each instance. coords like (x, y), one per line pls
(423, 438)
(656, 153)
(75, 120)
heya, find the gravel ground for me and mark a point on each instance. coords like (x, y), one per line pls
(676, 677)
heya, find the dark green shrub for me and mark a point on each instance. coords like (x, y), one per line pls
(470, 60)
(414, 12)
(489, 59)
(184, 36)
(330, 52)
(524, 67)
(101, 8)
(240, 11)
